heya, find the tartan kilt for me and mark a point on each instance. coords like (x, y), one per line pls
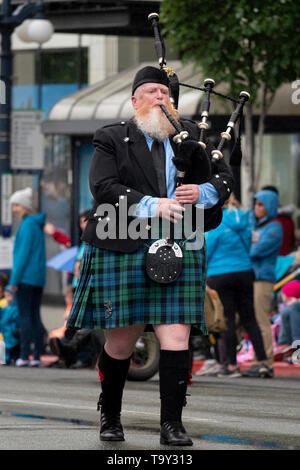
(114, 291)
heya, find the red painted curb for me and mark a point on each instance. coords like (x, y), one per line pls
(280, 368)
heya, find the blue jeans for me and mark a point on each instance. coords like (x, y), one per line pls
(31, 328)
(290, 324)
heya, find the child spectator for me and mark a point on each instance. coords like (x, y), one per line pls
(290, 319)
(10, 327)
(3, 284)
(82, 224)
(75, 349)
(60, 332)
(57, 235)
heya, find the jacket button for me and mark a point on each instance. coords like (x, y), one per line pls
(217, 176)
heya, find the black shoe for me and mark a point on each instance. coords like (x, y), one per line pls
(111, 428)
(80, 365)
(233, 373)
(64, 352)
(172, 433)
(259, 371)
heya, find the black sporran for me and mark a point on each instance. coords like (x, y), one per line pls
(164, 262)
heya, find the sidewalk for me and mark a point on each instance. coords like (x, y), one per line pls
(281, 369)
(53, 318)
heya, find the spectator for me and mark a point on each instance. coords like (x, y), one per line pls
(60, 332)
(62, 239)
(3, 284)
(82, 224)
(230, 274)
(79, 351)
(75, 349)
(290, 316)
(284, 217)
(10, 327)
(65, 240)
(57, 235)
(28, 275)
(266, 241)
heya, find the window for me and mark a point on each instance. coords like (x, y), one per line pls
(42, 77)
(66, 66)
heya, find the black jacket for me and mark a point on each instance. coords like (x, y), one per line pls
(122, 166)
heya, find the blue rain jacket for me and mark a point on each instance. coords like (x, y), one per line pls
(264, 252)
(228, 246)
(29, 253)
(9, 326)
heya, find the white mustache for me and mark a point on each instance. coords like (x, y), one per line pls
(154, 124)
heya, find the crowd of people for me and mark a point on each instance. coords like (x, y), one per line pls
(242, 255)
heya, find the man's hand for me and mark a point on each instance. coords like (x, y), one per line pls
(14, 288)
(187, 194)
(170, 209)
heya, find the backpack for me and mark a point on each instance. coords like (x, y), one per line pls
(214, 312)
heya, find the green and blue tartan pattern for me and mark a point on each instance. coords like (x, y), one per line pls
(114, 291)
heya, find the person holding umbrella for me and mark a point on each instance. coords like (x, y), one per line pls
(28, 275)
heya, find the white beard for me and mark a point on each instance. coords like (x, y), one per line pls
(155, 124)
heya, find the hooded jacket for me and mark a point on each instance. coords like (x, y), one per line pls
(228, 246)
(10, 323)
(29, 253)
(264, 252)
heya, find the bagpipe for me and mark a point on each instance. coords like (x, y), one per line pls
(193, 161)
(184, 159)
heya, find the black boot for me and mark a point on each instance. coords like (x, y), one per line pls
(65, 352)
(112, 374)
(174, 375)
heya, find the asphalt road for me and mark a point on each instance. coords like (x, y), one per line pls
(55, 409)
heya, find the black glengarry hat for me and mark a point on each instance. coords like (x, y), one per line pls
(150, 74)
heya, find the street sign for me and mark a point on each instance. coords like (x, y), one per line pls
(27, 140)
(6, 192)
(6, 253)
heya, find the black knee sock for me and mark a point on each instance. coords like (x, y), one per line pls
(174, 376)
(112, 374)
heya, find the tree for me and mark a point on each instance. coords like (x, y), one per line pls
(248, 44)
